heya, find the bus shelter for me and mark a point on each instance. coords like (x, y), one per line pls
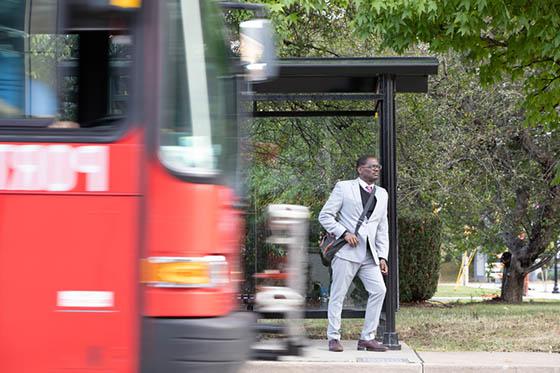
(375, 81)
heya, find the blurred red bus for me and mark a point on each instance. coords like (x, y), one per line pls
(119, 237)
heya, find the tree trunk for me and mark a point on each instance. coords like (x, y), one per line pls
(512, 285)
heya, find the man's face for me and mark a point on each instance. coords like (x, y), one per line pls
(369, 172)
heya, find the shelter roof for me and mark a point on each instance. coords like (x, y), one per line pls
(348, 75)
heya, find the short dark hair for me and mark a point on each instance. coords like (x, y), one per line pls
(363, 160)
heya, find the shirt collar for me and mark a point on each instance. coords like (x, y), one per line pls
(363, 184)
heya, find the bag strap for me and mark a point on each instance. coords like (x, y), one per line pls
(366, 208)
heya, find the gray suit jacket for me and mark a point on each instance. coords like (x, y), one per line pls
(341, 213)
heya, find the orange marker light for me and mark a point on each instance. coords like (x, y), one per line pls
(206, 271)
(126, 3)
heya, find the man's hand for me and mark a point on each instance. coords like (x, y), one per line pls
(351, 239)
(383, 266)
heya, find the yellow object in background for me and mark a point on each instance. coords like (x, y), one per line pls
(464, 269)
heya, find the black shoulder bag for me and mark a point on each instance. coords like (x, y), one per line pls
(329, 244)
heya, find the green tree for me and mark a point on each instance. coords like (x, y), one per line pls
(464, 150)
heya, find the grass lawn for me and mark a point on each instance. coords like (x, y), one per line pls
(480, 326)
(463, 291)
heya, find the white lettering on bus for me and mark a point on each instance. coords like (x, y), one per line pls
(53, 168)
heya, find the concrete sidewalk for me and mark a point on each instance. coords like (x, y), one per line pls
(317, 359)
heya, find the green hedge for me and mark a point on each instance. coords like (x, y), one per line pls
(419, 256)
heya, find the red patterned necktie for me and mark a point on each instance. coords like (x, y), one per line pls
(369, 188)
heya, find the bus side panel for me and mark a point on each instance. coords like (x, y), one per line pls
(67, 286)
(69, 274)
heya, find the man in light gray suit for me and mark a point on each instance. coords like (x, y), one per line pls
(364, 254)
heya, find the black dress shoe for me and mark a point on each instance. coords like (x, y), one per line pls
(335, 346)
(372, 345)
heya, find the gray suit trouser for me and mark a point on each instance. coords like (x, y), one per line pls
(343, 272)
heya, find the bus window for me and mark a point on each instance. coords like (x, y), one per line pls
(198, 133)
(53, 76)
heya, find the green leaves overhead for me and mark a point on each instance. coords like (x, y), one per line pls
(505, 39)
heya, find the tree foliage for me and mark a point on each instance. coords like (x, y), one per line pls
(516, 39)
(465, 151)
(509, 38)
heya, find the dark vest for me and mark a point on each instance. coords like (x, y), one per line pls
(365, 196)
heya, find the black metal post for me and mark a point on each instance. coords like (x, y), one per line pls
(555, 289)
(389, 181)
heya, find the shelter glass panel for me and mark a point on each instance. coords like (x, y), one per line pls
(298, 161)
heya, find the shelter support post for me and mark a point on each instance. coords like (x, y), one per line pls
(389, 181)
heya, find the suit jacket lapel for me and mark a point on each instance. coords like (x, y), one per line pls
(357, 196)
(376, 207)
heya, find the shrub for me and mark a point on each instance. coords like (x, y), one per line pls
(419, 256)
